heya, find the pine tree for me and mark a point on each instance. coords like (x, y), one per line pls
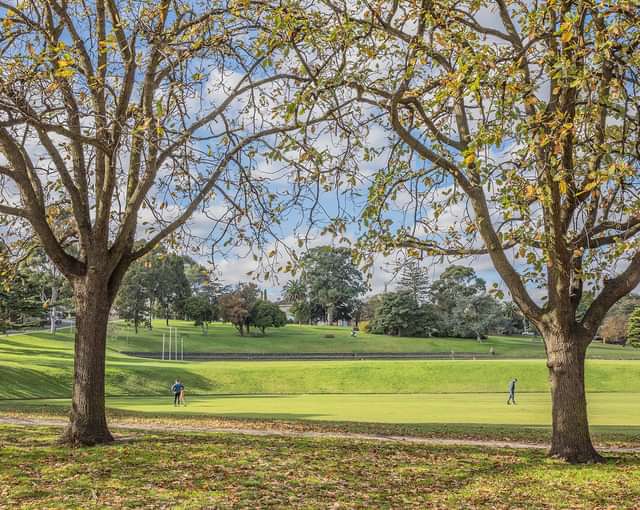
(633, 328)
(414, 279)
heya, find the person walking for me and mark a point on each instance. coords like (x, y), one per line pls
(177, 389)
(512, 391)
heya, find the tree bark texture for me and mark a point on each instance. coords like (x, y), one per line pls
(571, 439)
(88, 421)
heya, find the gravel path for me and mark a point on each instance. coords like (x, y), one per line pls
(157, 427)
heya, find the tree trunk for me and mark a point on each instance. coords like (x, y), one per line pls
(88, 421)
(52, 313)
(571, 440)
(52, 321)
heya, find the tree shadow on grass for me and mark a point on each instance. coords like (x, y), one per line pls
(24, 346)
(45, 353)
(20, 382)
(62, 337)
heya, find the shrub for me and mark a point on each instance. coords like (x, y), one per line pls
(633, 328)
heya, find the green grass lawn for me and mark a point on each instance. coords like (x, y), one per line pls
(185, 471)
(605, 409)
(297, 339)
(40, 366)
(402, 392)
(457, 399)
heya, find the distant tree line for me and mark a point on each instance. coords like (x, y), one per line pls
(169, 286)
(244, 307)
(457, 304)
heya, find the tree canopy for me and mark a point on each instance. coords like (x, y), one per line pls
(399, 314)
(120, 120)
(462, 306)
(333, 282)
(265, 314)
(515, 134)
(415, 278)
(236, 305)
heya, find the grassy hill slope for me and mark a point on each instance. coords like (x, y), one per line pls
(321, 339)
(41, 366)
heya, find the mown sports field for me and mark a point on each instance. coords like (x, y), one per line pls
(38, 367)
(425, 398)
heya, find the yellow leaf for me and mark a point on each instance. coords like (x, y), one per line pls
(66, 72)
(566, 36)
(530, 191)
(469, 159)
(65, 61)
(562, 185)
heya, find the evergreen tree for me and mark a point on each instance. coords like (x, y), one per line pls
(414, 279)
(399, 314)
(333, 282)
(633, 328)
(294, 292)
(169, 286)
(464, 308)
(133, 298)
(200, 310)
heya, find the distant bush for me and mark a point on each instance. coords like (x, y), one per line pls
(329, 335)
(364, 326)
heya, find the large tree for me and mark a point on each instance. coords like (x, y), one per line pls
(169, 284)
(265, 314)
(19, 300)
(294, 292)
(333, 282)
(515, 134)
(399, 314)
(236, 306)
(133, 301)
(54, 289)
(118, 120)
(463, 307)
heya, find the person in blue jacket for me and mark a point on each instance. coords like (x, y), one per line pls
(177, 389)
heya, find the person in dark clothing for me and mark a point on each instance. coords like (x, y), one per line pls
(512, 391)
(177, 390)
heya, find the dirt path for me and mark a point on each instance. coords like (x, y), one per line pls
(156, 427)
